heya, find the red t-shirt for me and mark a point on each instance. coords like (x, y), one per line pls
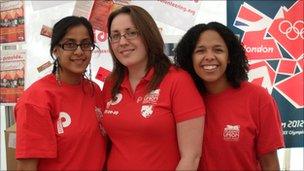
(241, 125)
(142, 126)
(58, 125)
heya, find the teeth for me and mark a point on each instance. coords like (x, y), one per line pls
(209, 67)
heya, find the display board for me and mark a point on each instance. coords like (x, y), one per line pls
(273, 38)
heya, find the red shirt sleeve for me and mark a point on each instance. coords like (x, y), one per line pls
(270, 134)
(35, 132)
(187, 102)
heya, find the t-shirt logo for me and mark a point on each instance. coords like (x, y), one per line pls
(146, 111)
(148, 103)
(99, 116)
(118, 98)
(64, 120)
(231, 133)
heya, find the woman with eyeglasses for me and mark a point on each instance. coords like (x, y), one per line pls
(153, 113)
(57, 124)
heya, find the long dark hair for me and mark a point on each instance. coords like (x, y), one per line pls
(237, 68)
(153, 42)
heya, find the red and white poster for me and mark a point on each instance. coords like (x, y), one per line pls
(273, 37)
(12, 21)
(179, 14)
(12, 75)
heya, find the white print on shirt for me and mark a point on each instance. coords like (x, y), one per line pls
(146, 111)
(99, 116)
(64, 120)
(148, 103)
(231, 133)
(111, 112)
(139, 99)
(118, 99)
(152, 97)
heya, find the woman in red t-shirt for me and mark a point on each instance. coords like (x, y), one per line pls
(243, 127)
(57, 127)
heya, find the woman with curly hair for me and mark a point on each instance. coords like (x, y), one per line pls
(243, 126)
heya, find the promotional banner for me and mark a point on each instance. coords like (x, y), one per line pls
(273, 37)
(12, 75)
(179, 14)
(12, 21)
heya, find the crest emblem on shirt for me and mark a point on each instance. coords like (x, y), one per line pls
(231, 133)
(148, 103)
(146, 111)
(64, 120)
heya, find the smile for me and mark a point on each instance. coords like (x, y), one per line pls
(78, 61)
(126, 52)
(209, 67)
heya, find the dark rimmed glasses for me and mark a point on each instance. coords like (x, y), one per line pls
(129, 35)
(72, 46)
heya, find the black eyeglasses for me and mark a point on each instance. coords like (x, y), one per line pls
(72, 46)
(129, 35)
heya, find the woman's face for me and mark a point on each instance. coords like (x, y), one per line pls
(210, 58)
(126, 43)
(74, 62)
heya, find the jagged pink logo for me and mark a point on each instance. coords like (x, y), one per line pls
(262, 39)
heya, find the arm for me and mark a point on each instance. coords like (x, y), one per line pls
(27, 164)
(269, 161)
(190, 137)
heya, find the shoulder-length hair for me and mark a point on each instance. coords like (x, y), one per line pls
(153, 43)
(237, 68)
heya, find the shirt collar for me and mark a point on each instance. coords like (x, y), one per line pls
(146, 78)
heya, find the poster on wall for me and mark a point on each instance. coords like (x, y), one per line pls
(12, 21)
(12, 75)
(179, 14)
(273, 38)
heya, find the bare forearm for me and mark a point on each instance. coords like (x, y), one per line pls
(189, 163)
(270, 161)
(27, 164)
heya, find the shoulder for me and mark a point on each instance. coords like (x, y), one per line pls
(39, 92)
(176, 73)
(255, 90)
(178, 79)
(248, 86)
(41, 85)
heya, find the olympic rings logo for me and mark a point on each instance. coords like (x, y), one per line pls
(292, 31)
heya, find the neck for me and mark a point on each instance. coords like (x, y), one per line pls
(137, 72)
(72, 79)
(215, 87)
(135, 75)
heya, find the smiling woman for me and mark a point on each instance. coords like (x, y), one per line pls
(242, 123)
(150, 124)
(57, 127)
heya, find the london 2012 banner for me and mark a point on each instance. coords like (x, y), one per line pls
(272, 33)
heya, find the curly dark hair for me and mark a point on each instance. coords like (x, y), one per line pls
(238, 67)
